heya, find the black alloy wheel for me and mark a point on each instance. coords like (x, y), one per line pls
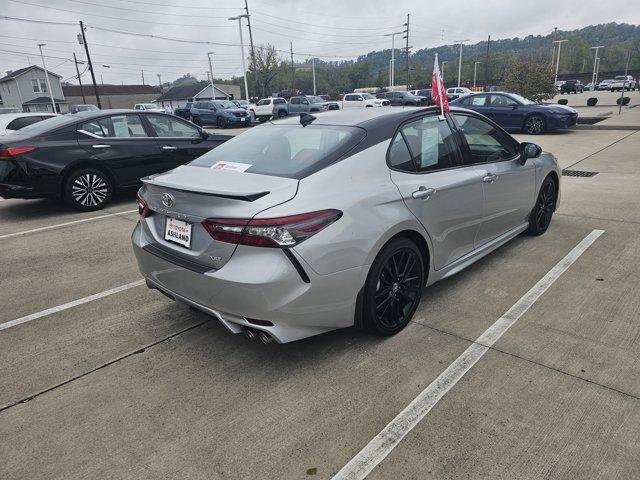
(541, 214)
(535, 125)
(394, 287)
(282, 113)
(88, 189)
(221, 122)
(197, 121)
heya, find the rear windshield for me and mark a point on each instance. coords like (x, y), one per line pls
(290, 151)
(48, 124)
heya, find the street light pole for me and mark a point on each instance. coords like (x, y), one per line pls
(213, 90)
(460, 59)
(75, 60)
(559, 42)
(595, 65)
(444, 62)
(392, 77)
(475, 70)
(313, 73)
(46, 76)
(244, 69)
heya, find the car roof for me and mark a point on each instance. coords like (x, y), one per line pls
(366, 117)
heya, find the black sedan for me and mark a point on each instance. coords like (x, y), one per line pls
(85, 158)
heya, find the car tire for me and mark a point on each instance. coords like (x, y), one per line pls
(88, 189)
(535, 125)
(263, 119)
(282, 113)
(542, 212)
(221, 122)
(393, 288)
(197, 121)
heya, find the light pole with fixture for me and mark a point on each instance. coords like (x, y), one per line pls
(596, 61)
(460, 59)
(46, 76)
(213, 90)
(101, 79)
(559, 42)
(393, 56)
(475, 70)
(244, 69)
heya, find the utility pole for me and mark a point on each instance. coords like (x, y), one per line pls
(93, 76)
(486, 66)
(293, 68)
(246, 7)
(244, 68)
(407, 49)
(213, 90)
(160, 83)
(46, 76)
(475, 70)
(75, 60)
(559, 42)
(624, 83)
(444, 62)
(594, 75)
(460, 59)
(313, 72)
(142, 72)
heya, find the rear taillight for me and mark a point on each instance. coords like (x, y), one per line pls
(143, 208)
(12, 152)
(270, 232)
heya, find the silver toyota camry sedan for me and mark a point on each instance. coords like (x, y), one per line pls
(306, 225)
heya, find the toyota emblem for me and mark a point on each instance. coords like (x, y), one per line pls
(168, 200)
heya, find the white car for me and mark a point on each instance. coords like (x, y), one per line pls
(10, 122)
(457, 92)
(623, 82)
(362, 100)
(605, 84)
(270, 107)
(149, 107)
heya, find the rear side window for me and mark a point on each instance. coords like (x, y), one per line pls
(475, 100)
(290, 151)
(22, 122)
(279, 100)
(116, 126)
(486, 142)
(430, 143)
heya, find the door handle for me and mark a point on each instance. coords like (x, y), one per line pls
(169, 147)
(490, 178)
(101, 145)
(423, 192)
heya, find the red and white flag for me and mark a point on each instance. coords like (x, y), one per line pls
(438, 92)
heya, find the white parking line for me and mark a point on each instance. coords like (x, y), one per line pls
(59, 225)
(383, 443)
(66, 306)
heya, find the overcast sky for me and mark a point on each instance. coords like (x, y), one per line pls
(331, 28)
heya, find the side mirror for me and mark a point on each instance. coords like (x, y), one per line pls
(530, 150)
(514, 106)
(203, 134)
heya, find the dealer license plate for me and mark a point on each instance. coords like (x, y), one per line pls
(178, 232)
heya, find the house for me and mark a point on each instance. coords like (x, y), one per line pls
(27, 90)
(179, 96)
(111, 96)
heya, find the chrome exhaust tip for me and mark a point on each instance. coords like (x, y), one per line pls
(251, 334)
(265, 338)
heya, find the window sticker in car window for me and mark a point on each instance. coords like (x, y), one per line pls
(120, 127)
(233, 166)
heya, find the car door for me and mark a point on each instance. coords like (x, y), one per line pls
(178, 141)
(504, 111)
(295, 105)
(123, 145)
(508, 185)
(442, 193)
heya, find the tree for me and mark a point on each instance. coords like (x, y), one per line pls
(264, 66)
(530, 78)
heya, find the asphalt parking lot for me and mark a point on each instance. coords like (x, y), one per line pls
(126, 384)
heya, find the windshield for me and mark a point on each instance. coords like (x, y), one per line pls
(282, 150)
(86, 108)
(621, 77)
(48, 124)
(148, 106)
(367, 96)
(224, 105)
(521, 99)
(9, 110)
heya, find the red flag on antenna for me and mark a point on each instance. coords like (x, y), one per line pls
(438, 92)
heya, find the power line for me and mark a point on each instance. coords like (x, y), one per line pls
(307, 32)
(30, 20)
(155, 4)
(84, 2)
(333, 27)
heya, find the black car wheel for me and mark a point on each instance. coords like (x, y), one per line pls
(282, 113)
(393, 288)
(88, 189)
(221, 122)
(197, 121)
(535, 125)
(540, 216)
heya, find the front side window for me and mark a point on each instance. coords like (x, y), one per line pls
(263, 102)
(290, 151)
(165, 126)
(486, 142)
(117, 126)
(294, 101)
(279, 100)
(35, 85)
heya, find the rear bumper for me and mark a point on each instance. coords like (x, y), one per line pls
(258, 283)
